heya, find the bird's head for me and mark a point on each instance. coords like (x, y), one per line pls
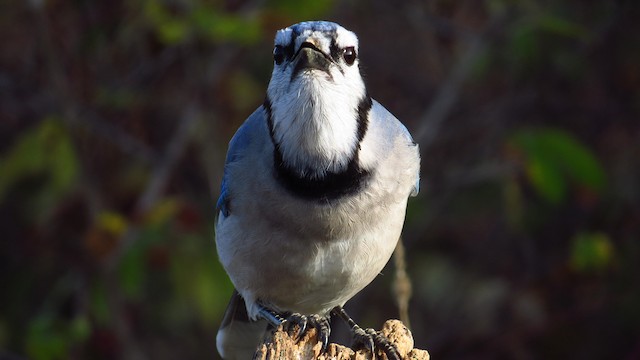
(315, 53)
(316, 95)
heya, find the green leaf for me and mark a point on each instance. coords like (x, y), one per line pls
(98, 304)
(45, 150)
(43, 341)
(591, 252)
(119, 98)
(131, 274)
(524, 46)
(560, 26)
(554, 159)
(79, 329)
(171, 29)
(63, 164)
(579, 161)
(23, 159)
(246, 91)
(112, 222)
(132, 270)
(163, 211)
(546, 178)
(200, 279)
(293, 9)
(202, 19)
(50, 337)
(219, 26)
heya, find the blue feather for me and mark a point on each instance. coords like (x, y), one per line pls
(237, 145)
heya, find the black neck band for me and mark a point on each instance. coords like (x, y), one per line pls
(331, 185)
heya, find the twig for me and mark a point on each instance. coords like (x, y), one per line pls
(448, 94)
(157, 181)
(402, 283)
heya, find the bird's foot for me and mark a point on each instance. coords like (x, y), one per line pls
(371, 340)
(291, 322)
(304, 322)
(368, 339)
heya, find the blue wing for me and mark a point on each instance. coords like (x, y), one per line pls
(416, 186)
(384, 118)
(407, 134)
(237, 145)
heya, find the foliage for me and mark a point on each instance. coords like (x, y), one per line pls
(202, 20)
(46, 153)
(591, 252)
(115, 121)
(555, 158)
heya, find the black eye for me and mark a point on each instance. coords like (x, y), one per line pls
(349, 55)
(278, 54)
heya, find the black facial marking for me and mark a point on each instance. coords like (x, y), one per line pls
(292, 41)
(289, 49)
(363, 116)
(278, 54)
(331, 185)
(267, 110)
(281, 53)
(335, 50)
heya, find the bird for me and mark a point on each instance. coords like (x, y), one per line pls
(314, 193)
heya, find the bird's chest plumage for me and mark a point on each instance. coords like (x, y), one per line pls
(313, 253)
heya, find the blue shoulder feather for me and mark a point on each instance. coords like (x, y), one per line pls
(407, 134)
(237, 145)
(416, 186)
(386, 119)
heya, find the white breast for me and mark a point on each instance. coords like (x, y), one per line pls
(312, 131)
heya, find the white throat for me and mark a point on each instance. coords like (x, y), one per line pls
(315, 124)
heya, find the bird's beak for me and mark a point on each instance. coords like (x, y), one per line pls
(311, 57)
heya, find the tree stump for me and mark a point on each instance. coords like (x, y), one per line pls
(280, 346)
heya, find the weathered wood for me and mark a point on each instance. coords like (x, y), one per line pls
(281, 346)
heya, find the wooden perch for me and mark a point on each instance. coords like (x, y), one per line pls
(280, 346)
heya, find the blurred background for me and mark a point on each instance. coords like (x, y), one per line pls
(115, 117)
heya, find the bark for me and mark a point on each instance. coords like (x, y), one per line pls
(281, 346)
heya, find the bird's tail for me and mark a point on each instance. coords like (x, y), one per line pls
(239, 336)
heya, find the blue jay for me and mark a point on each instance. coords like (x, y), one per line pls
(314, 193)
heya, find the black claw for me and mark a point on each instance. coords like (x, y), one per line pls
(324, 329)
(302, 331)
(362, 339)
(291, 321)
(368, 339)
(304, 322)
(302, 326)
(325, 343)
(383, 343)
